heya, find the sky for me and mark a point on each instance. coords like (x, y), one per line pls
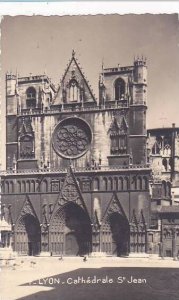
(44, 44)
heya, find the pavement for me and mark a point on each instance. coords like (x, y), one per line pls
(44, 278)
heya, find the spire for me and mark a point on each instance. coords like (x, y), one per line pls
(73, 53)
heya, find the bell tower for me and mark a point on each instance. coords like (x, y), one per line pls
(125, 89)
(137, 112)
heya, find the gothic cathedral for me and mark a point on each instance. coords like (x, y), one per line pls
(77, 179)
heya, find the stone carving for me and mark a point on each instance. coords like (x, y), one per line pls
(113, 207)
(27, 210)
(26, 139)
(71, 138)
(26, 147)
(55, 186)
(70, 191)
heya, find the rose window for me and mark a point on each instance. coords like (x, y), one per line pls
(71, 138)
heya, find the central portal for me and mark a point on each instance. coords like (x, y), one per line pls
(71, 231)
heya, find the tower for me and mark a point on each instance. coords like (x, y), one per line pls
(11, 119)
(126, 88)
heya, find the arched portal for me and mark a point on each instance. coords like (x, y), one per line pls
(120, 234)
(70, 231)
(28, 236)
(116, 235)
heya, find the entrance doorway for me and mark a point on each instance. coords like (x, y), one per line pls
(71, 244)
(120, 234)
(27, 236)
(70, 232)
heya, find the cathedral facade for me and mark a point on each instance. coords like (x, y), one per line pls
(77, 178)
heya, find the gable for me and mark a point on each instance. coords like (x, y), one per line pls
(70, 192)
(114, 206)
(118, 127)
(27, 209)
(74, 87)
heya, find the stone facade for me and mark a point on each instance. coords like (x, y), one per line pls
(77, 178)
(163, 147)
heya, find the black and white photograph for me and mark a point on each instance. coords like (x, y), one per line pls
(89, 157)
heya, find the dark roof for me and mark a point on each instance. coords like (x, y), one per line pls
(163, 129)
(169, 209)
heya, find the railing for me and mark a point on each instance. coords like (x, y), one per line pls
(76, 169)
(53, 110)
(118, 69)
(31, 78)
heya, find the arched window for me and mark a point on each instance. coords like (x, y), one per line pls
(28, 186)
(139, 183)
(23, 187)
(7, 187)
(31, 97)
(168, 189)
(37, 186)
(164, 162)
(26, 147)
(134, 183)
(11, 187)
(96, 184)
(126, 183)
(119, 89)
(110, 180)
(116, 183)
(170, 164)
(44, 186)
(145, 183)
(74, 92)
(32, 186)
(163, 188)
(120, 183)
(105, 183)
(19, 187)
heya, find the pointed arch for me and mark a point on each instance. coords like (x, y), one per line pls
(120, 183)
(165, 164)
(32, 184)
(145, 183)
(115, 183)
(19, 187)
(110, 184)
(27, 230)
(96, 184)
(115, 229)
(7, 187)
(139, 183)
(70, 192)
(134, 183)
(105, 183)
(70, 231)
(126, 183)
(28, 186)
(23, 186)
(44, 186)
(119, 89)
(168, 189)
(164, 188)
(31, 97)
